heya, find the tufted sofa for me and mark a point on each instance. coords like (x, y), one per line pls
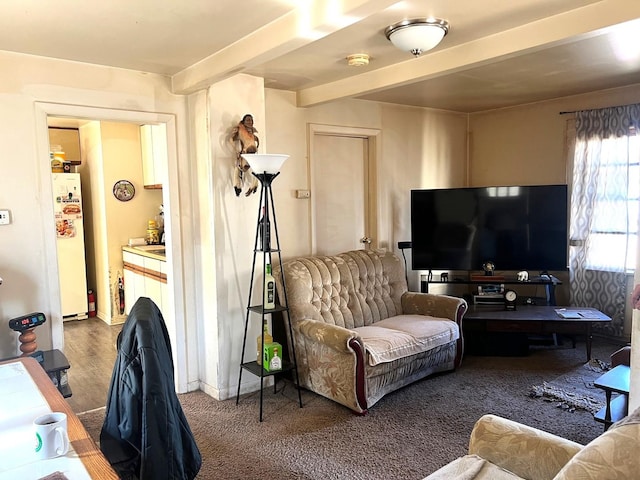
(501, 449)
(358, 333)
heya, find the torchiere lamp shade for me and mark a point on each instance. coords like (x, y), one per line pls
(265, 162)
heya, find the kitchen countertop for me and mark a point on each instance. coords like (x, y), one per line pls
(152, 251)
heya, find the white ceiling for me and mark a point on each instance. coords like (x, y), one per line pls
(497, 53)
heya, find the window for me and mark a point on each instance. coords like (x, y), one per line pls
(613, 227)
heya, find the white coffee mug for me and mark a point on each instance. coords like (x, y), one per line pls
(51, 435)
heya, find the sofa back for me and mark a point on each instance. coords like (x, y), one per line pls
(352, 289)
(613, 455)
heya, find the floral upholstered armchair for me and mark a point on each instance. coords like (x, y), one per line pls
(358, 333)
(501, 449)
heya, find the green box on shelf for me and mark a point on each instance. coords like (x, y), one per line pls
(272, 357)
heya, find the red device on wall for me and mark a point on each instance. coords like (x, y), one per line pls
(91, 300)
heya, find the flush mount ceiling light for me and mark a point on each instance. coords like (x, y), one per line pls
(417, 35)
(358, 60)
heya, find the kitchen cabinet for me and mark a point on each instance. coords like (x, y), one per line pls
(132, 283)
(153, 142)
(134, 279)
(153, 284)
(145, 275)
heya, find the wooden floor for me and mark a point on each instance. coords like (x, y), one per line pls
(90, 347)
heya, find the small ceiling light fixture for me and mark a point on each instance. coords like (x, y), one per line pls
(358, 60)
(417, 35)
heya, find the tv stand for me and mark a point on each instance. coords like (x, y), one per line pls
(548, 281)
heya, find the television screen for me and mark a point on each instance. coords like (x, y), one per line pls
(515, 227)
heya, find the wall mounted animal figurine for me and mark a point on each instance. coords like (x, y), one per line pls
(244, 140)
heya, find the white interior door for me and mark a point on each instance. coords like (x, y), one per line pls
(343, 204)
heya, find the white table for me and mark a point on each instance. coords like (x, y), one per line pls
(25, 393)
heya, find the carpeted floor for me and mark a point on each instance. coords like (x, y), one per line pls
(575, 390)
(406, 435)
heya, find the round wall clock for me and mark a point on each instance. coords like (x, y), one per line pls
(124, 190)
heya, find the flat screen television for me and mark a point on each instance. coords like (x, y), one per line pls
(515, 227)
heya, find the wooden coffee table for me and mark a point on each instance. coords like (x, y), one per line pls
(532, 320)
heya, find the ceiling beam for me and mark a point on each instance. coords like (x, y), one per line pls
(310, 21)
(562, 28)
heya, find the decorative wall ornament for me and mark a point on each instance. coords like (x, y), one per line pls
(488, 267)
(244, 141)
(124, 190)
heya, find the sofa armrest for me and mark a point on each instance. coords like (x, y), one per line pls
(332, 336)
(333, 360)
(441, 306)
(523, 450)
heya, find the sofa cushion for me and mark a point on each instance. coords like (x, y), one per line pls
(471, 467)
(404, 335)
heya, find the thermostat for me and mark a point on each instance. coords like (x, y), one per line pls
(25, 322)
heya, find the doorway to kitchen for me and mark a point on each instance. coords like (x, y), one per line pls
(49, 114)
(105, 164)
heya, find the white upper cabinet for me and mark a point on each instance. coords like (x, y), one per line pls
(153, 141)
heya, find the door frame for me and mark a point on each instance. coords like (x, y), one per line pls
(373, 137)
(175, 259)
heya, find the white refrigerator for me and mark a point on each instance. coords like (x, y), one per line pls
(68, 211)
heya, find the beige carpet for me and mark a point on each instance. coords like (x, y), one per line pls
(406, 435)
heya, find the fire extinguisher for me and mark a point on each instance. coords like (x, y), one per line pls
(121, 295)
(91, 297)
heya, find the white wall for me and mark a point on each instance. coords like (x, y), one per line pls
(422, 148)
(225, 234)
(526, 144)
(27, 246)
(95, 225)
(419, 140)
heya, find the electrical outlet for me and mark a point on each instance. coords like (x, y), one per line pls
(5, 217)
(303, 194)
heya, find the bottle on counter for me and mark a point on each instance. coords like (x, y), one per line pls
(267, 339)
(160, 224)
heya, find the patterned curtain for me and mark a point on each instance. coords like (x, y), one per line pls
(605, 173)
